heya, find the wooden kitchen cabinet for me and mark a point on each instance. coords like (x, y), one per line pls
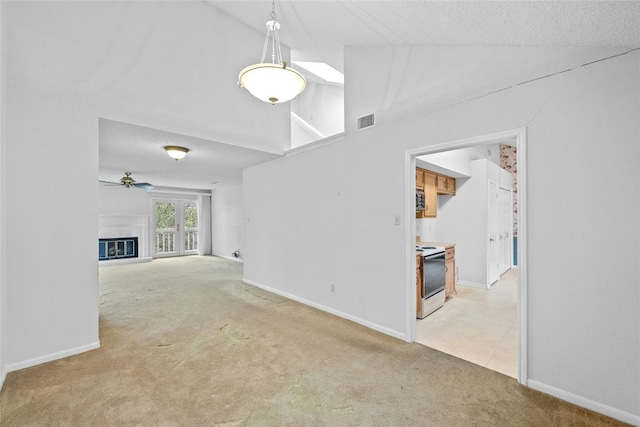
(433, 184)
(450, 271)
(430, 193)
(446, 185)
(419, 178)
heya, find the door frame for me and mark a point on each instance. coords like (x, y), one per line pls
(180, 229)
(520, 137)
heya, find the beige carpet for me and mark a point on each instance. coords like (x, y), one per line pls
(186, 343)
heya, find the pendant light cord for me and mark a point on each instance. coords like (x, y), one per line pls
(272, 27)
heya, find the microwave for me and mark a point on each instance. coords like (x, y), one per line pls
(421, 202)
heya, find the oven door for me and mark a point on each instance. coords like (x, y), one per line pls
(433, 284)
(434, 275)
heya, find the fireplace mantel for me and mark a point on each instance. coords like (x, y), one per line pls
(114, 226)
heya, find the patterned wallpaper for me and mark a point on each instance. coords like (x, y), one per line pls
(509, 162)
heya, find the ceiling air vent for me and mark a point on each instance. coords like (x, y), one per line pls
(366, 122)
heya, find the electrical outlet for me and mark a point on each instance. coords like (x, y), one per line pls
(396, 220)
(333, 288)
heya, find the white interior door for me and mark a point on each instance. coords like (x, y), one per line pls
(493, 273)
(176, 227)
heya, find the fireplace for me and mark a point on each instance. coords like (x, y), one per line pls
(117, 248)
(123, 250)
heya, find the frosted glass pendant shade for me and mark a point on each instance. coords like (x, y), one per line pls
(274, 83)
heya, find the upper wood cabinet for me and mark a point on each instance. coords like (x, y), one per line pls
(446, 185)
(419, 178)
(427, 181)
(430, 193)
(433, 184)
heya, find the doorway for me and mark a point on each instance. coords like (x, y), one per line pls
(175, 226)
(517, 137)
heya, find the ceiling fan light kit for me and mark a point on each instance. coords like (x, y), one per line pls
(176, 152)
(273, 81)
(127, 181)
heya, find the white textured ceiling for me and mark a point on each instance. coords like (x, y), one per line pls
(126, 147)
(319, 31)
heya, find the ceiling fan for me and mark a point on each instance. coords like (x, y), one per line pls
(129, 182)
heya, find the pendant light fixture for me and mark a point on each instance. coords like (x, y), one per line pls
(273, 81)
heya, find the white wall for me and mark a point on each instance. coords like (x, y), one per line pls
(227, 221)
(67, 65)
(3, 329)
(322, 107)
(571, 348)
(163, 73)
(117, 200)
(205, 246)
(319, 218)
(51, 271)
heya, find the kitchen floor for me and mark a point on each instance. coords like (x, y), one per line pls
(477, 325)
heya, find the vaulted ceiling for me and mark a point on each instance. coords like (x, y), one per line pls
(320, 30)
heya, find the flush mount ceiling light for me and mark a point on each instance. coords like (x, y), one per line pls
(176, 152)
(273, 81)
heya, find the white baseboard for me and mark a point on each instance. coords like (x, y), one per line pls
(228, 257)
(586, 403)
(53, 356)
(472, 284)
(370, 325)
(3, 376)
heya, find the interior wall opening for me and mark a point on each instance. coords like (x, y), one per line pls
(482, 318)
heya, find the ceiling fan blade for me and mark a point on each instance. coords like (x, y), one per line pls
(143, 185)
(127, 181)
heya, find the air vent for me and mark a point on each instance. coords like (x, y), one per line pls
(366, 122)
